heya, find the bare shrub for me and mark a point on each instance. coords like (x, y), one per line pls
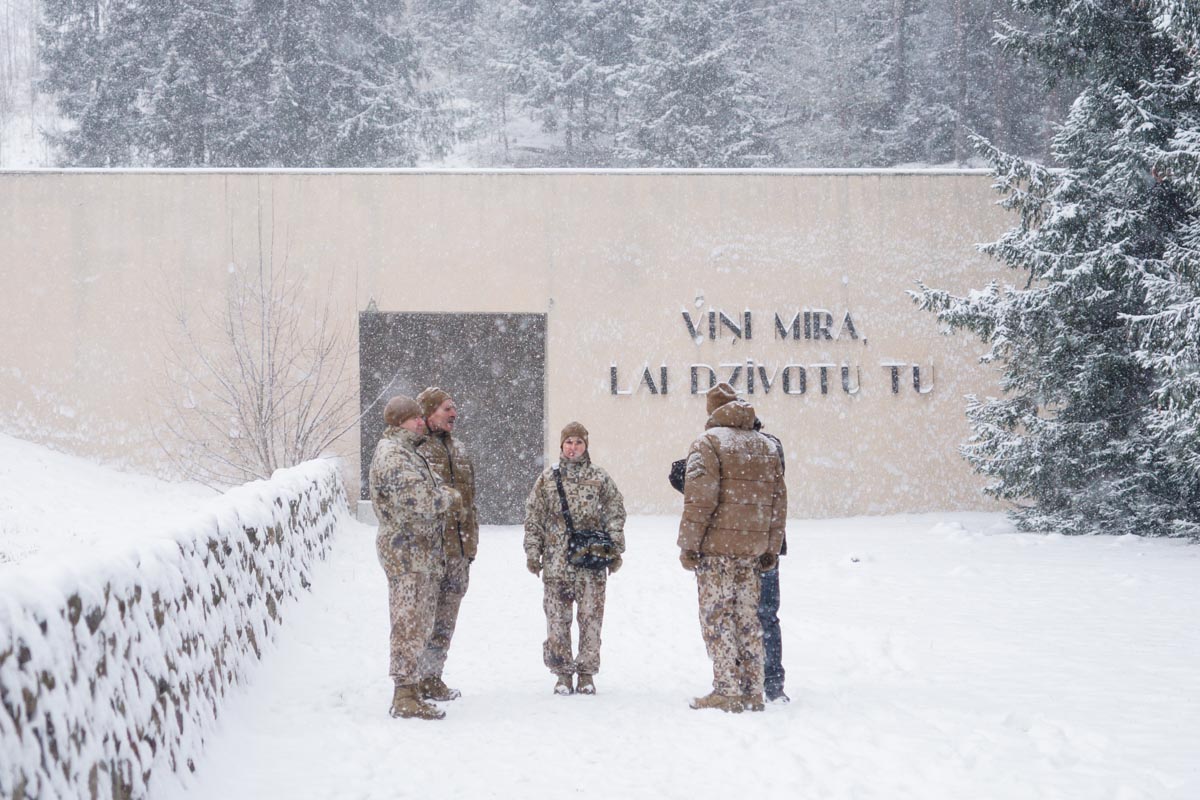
(261, 383)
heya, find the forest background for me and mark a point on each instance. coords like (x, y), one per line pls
(516, 83)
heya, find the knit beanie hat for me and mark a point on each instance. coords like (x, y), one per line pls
(573, 429)
(431, 399)
(400, 409)
(719, 395)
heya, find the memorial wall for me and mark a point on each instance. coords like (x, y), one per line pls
(537, 298)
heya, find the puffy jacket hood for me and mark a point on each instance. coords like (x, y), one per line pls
(736, 414)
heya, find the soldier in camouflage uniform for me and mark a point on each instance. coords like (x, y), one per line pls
(595, 503)
(734, 512)
(449, 460)
(412, 506)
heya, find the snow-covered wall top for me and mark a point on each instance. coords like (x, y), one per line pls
(113, 674)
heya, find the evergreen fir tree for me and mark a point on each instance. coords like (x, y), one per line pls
(876, 83)
(187, 120)
(1097, 429)
(448, 32)
(1169, 336)
(568, 62)
(232, 83)
(95, 56)
(336, 83)
(696, 99)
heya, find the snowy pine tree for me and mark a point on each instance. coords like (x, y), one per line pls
(696, 97)
(95, 56)
(187, 119)
(1169, 336)
(344, 87)
(568, 61)
(230, 83)
(1097, 429)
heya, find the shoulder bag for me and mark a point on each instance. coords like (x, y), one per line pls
(585, 549)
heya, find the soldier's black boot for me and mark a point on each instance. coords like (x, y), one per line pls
(563, 684)
(585, 685)
(775, 694)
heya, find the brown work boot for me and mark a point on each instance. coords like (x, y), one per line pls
(585, 685)
(563, 684)
(753, 702)
(436, 689)
(713, 700)
(407, 703)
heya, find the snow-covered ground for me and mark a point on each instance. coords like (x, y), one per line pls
(56, 508)
(931, 656)
(928, 656)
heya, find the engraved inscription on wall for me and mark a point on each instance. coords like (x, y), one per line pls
(794, 376)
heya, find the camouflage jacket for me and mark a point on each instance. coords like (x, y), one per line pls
(448, 458)
(411, 503)
(734, 498)
(595, 503)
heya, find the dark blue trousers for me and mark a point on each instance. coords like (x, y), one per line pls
(768, 615)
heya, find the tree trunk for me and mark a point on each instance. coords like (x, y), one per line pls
(960, 89)
(900, 88)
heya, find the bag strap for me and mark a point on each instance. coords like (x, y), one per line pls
(562, 496)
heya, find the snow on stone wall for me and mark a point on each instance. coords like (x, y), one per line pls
(111, 674)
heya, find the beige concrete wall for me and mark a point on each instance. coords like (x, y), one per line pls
(89, 262)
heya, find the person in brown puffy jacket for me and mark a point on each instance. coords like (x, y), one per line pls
(734, 513)
(448, 457)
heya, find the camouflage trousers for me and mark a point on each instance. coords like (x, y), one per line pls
(412, 603)
(451, 588)
(584, 592)
(728, 587)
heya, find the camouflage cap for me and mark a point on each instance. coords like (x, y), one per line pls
(400, 409)
(431, 399)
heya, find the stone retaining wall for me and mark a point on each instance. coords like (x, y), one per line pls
(112, 676)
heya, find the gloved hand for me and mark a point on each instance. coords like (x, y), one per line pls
(601, 550)
(767, 562)
(614, 565)
(533, 564)
(690, 559)
(678, 474)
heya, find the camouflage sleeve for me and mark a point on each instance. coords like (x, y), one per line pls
(471, 514)
(409, 494)
(535, 519)
(701, 492)
(614, 512)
